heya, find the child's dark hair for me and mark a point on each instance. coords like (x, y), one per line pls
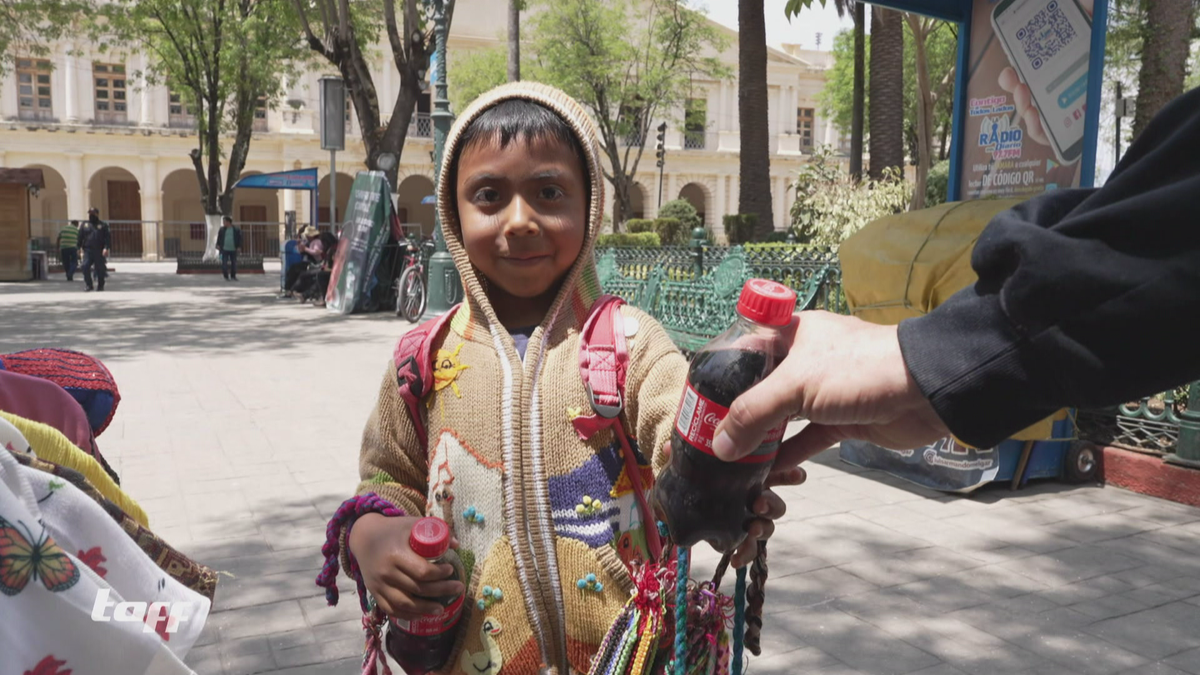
(518, 119)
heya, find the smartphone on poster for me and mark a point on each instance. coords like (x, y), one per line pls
(1048, 42)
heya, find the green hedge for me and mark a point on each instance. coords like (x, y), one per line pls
(740, 228)
(638, 239)
(638, 225)
(683, 210)
(672, 231)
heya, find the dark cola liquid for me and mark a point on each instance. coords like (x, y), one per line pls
(700, 497)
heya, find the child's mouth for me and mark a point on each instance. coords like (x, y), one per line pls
(526, 261)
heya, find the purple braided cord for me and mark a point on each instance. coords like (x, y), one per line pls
(350, 511)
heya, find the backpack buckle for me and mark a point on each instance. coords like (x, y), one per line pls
(608, 412)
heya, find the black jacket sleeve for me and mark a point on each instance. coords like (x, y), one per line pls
(1085, 298)
(106, 236)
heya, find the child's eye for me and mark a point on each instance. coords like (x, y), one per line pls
(551, 193)
(487, 195)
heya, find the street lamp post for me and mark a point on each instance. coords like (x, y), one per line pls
(445, 287)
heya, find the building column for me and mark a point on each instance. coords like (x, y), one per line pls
(152, 242)
(780, 198)
(77, 190)
(720, 208)
(735, 194)
(71, 82)
(146, 93)
(672, 191)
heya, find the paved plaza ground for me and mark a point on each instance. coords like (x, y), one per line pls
(238, 432)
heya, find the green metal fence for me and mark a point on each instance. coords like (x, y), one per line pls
(792, 265)
(1166, 425)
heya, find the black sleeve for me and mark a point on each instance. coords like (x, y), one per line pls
(1085, 298)
(107, 237)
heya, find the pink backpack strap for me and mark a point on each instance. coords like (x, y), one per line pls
(413, 359)
(603, 365)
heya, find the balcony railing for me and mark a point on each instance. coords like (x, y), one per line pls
(421, 126)
(694, 140)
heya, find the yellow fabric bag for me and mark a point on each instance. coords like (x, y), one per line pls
(51, 445)
(903, 266)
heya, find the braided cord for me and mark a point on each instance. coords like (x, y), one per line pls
(755, 596)
(349, 512)
(681, 607)
(739, 621)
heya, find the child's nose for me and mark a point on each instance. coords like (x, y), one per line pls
(520, 219)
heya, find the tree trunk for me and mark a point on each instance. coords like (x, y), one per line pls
(887, 91)
(924, 111)
(754, 195)
(514, 40)
(860, 91)
(942, 146)
(1165, 46)
(622, 202)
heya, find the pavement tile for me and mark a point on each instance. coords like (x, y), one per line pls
(869, 574)
(1153, 633)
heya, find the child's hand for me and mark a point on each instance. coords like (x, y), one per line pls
(400, 580)
(770, 507)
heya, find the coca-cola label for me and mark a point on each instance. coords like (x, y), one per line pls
(433, 624)
(699, 418)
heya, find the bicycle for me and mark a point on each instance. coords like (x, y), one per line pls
(412, 294)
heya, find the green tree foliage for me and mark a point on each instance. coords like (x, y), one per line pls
(837, 98)
(830, 206)
(629, 62)
(221, 57)
(475, 72)
(28, 27)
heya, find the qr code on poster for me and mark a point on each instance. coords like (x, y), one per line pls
(1046, 34)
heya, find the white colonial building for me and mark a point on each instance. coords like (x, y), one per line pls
(103, 139)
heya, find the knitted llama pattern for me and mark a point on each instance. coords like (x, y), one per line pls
(546, 521)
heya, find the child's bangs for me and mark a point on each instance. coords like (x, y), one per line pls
(518, 119)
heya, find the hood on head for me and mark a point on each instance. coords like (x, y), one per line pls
(584, 129)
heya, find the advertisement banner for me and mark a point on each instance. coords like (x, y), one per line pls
(1027, 97)
(944, 465)
(368, 217)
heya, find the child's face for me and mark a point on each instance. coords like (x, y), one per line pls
(523, 211)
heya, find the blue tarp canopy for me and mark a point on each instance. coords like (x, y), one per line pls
(300, 179)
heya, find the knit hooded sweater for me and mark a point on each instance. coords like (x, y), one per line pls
(502, 447)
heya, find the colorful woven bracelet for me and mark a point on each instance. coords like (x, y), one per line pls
(347, 514)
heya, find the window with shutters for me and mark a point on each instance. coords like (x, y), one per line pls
(34, 101)
(110, 90)
(804, 126)
(260, 114)
(181, 115)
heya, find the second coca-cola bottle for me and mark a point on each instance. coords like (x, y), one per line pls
(700, 497)
(423, 645)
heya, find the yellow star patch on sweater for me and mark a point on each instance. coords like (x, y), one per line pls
(572, 413)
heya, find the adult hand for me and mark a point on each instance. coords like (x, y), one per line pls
(401, 581)
(104, 253)
(769, 507)
(848, 378)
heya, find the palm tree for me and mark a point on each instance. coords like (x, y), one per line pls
(754, 195)
(887, 91)
(514, 40)
(1166, 41)
(845, 7)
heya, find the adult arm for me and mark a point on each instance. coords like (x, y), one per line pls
(1082, 297)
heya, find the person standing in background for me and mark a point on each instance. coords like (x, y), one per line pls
(68, 248)
(229, 240)
(95, 240)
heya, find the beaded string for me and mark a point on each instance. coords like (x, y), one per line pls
(739, 620)
(681, 603)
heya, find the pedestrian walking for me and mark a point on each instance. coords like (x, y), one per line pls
(229, 241)
(68, 248)
(95, 239)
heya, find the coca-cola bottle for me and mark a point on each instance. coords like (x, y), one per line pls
(422, 645)
(700, 497)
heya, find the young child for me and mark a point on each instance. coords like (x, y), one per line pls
(533, 508)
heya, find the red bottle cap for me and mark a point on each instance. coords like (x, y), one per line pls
(767, 302)
(429, 538)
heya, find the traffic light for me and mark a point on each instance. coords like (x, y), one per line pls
(660, 150)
